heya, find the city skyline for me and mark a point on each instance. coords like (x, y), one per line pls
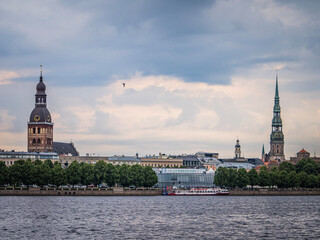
(195, 79)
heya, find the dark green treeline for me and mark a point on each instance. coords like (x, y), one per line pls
(44, 173)
(305, 174)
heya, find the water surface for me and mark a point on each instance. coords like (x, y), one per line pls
(160, 217)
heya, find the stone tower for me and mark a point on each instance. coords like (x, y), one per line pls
(276, 136)
(40, 126)
(237, 150)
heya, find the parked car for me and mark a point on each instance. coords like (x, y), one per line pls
(91, 185)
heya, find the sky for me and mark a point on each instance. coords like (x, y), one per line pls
(198, 74)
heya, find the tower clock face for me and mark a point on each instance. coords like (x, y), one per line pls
(48, 118)
(36, 118)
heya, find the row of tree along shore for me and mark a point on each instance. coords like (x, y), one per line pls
(305, 174)
(45, 173)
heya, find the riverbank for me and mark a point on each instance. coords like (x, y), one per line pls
(275, 192)
(116, 191)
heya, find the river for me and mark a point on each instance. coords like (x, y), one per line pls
(160, 217)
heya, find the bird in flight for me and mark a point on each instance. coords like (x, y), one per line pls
(124, 84)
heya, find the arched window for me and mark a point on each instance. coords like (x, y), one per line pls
(34, 141)
(34, 130)
(38, 140)
(39, 130)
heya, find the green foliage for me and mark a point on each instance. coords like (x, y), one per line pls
(307, 165)
(150, 177)
(264, 177)
(73, 173)
(124, 175)
(242, 178)
(286, 166)
(303, 179)
(16, 173)
(136, 175)
(87, 174)
(99, 172)
(253, 177)
(58, 175)
(4, 173)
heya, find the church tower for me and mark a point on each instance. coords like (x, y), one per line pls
(40, 126)
(237, 150)
(276, 137)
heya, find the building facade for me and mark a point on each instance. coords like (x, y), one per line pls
(159, 162)
(10, 157)
(237, 151)
(276, 137)
(40, 125)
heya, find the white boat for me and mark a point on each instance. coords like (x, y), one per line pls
(199, 192)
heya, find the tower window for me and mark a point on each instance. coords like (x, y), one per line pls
(34, 141)
(39, 130)
(34, 130)
(39, 141)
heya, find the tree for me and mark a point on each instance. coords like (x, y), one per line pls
(16, 172)
(293, 180)
(233, 177)
(73, 173)
(283, 179)
(58, 175)
(264, 178)
(221, 177)
(124, 175)
(111, 174)
(99, 172)
(87, 175)
(313, 181)
(303, 179)
(48, 162)
(4, 174)
(307, 165)
(29, 173)
(286, 166)
(43, 174)
(253, 177)
(136, 175)
(150, 177)
(274, 177)
(242, 178)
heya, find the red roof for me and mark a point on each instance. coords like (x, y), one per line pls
(303, 151)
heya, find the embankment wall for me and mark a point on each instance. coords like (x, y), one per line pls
(82, 192)
(274, 192)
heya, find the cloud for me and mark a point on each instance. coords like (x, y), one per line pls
(206, 68)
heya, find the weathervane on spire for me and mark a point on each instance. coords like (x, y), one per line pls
(41, 70)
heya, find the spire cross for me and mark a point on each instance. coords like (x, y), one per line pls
(41, 70)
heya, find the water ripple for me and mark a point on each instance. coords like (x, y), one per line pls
(160, 217)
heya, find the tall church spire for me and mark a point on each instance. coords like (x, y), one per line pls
(276, 137)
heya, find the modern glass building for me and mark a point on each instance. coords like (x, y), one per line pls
(170, 177)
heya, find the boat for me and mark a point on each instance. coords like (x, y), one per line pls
(198, 192)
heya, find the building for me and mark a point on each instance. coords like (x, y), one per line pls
(120, 160)
(67, 160)
(10, 157)
(303, 154)
(162, 161)
(237, 151)
(65, 148)
(191, 161)
(182, 177)
(40, 125)
(276, 137)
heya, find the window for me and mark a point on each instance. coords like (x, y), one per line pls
(34, 141)
(34, 130)
(39, 130)
(39, 141)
